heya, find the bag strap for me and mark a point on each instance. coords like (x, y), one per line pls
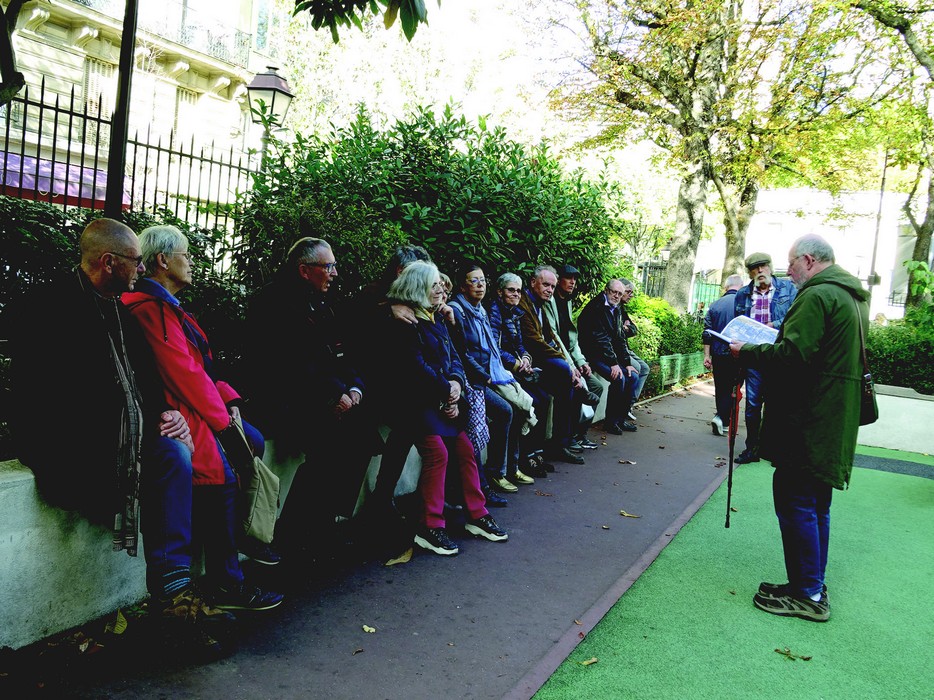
(862, 342)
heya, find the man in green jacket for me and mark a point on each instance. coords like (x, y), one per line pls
(813, 376)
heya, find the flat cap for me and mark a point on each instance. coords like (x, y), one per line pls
(757, 259)
(568, 271)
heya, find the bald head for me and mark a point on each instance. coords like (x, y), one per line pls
(110, 256)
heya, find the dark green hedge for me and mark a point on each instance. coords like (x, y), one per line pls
(901, 353)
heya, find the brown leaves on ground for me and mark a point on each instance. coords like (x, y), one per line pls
(628, 515)
(539, 492)
(626, 461)
(786, 652)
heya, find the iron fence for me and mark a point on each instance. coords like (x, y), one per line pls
(54, 150)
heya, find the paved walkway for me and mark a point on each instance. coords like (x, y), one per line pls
(494, 621)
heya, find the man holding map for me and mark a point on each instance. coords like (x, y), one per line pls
(815, 372)
(765, 299)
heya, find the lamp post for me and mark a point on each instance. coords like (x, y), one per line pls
(269, 94)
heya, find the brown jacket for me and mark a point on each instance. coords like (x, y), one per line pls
(540, 340)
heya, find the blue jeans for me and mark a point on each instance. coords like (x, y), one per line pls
(643, 368)
(555, 379)
(620, 394)
(802, 504)
(165, 513)
(502, 453)
(216, 519)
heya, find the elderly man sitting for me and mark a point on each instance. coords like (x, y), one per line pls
(603, 338)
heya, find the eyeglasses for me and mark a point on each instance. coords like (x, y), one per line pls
(328, 267)
(476, 281)
(794, 260)
(184, 254)
(615, 292)
(512, 290)
(438, 287)
(138, 260)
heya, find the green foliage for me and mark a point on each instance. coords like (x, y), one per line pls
(921, 279)
(344, 13)
(662, 331)
(902, 354)
(463, 191)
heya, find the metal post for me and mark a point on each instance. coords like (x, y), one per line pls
(120, 126)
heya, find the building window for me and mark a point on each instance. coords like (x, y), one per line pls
(100, 96)
(186, 118)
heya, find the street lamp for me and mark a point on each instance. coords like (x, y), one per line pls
(270, 96)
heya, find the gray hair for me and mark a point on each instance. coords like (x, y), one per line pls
(815, 246)
(506, 278)
(413, 286)
(539, 269)
(626, 283)
(160, 239)
(733, 281)
(306, 250)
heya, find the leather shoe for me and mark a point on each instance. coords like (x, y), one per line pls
(494, 499)
(747, 456)
(533, 468)
(613, 429)
(501, 484)
(547, 466)
(563, 454)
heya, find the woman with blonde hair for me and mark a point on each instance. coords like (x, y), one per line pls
(429, 386)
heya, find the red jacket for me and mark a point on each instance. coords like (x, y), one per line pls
(181, 363)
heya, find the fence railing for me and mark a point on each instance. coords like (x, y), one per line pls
(54, 150)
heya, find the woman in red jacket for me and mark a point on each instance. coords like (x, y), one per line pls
(185, 364)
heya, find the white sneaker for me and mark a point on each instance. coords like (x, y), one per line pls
(716, 426)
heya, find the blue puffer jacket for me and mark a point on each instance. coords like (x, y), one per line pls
(506, 322)
(785, 293)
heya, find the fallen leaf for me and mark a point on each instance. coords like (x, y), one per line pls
(356, 651)
(605, 527)
(580, 635)
(578, 622)
(732, 592)
(786, 652)
(83, 646)
(589, 662)
(733, 510)
(626, 461)
(628, 515)
(403, 558)
(661, 447)
(542, 493)
(368, 629)
(450, 644)
(118, 625)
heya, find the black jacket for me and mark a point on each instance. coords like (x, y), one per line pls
(601, 334)
(66, 396)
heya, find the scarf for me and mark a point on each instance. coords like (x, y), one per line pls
(479, 319)
(129, 430)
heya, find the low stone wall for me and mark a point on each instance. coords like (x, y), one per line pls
(57, 571)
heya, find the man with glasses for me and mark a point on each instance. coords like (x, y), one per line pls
(630, 331)
(309, 396)
(765, 299)
(604, 340)
(92, 423)
(812, 415)
(557, 376)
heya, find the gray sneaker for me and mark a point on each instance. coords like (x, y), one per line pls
(791, 606)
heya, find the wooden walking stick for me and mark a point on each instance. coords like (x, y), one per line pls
(734, 425)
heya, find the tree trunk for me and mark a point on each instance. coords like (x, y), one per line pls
(734, 260)
(922, 250)
(689, 224)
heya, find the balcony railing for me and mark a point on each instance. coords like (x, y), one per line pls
(178, 22)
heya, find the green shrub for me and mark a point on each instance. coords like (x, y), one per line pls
(462, 190)
(902, 354)
(669, 332)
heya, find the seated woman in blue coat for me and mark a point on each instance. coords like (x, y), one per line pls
(429, 383)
